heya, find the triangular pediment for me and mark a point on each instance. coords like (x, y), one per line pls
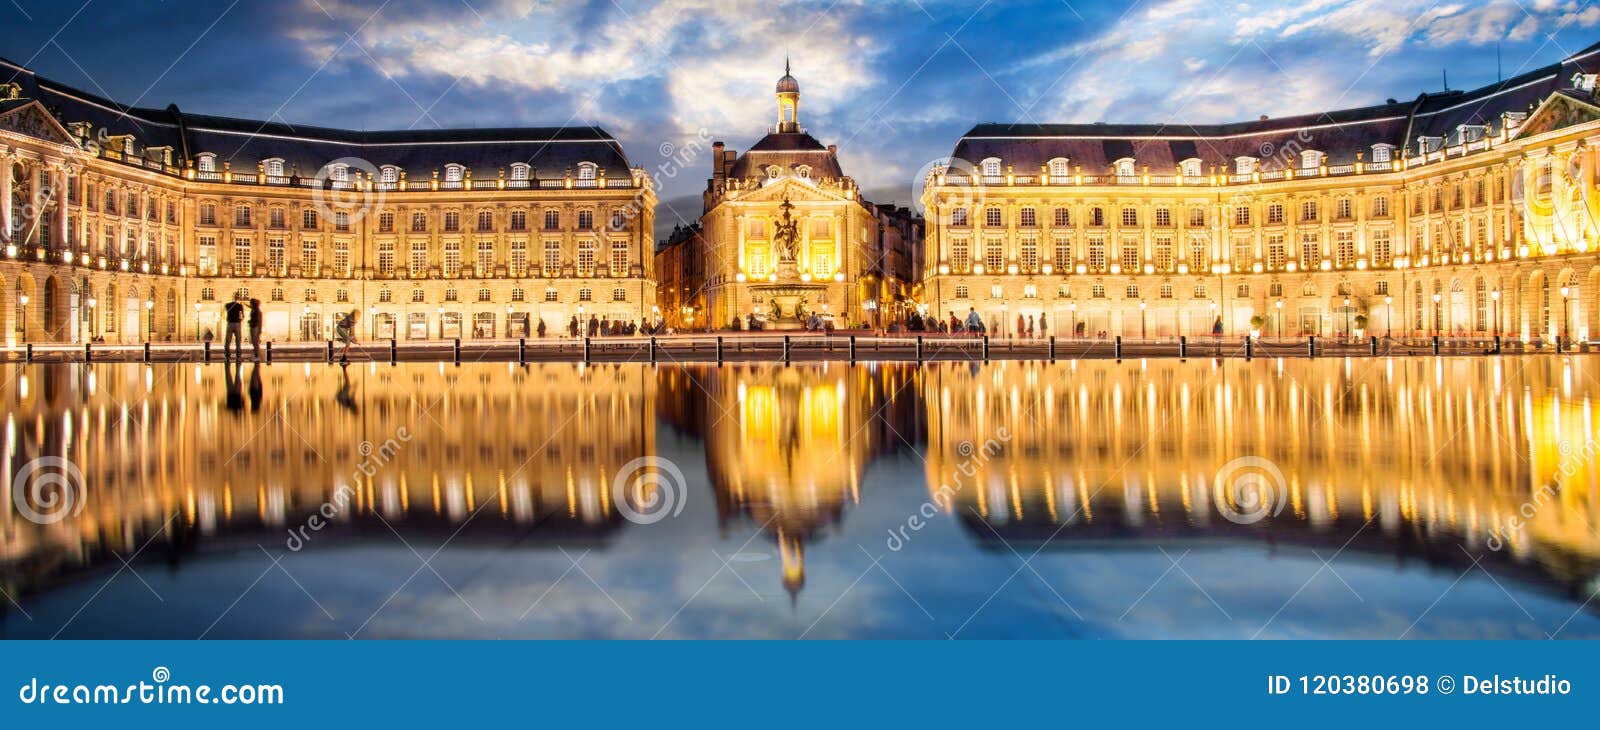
(792, 189)
(1558, 111)
(31, 119)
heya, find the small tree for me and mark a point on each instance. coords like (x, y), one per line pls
(1257, 322)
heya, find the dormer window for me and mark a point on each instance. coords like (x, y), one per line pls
(274, 167)
(1584, 82)
(1382, 152)
(206, 161)
(339, 172)
(1471, 132)
(1310, 159)
(389, 174)
(586, 170)
(1123, 167)
(520, 171)
(991, 167)
(454, 173)
(1244, 165)
(773, 171)
(1430, 144)
(1059, 167)
(1191, 167)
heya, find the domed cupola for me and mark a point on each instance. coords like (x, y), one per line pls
(788, 102)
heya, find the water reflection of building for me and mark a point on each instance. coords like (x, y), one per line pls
(786, 446)
(488, 450)
(1419, 456)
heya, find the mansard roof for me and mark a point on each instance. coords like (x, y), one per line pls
(552, 151)
(787, 150)
(1339, 134)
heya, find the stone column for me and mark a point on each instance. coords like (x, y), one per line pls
(7, 161)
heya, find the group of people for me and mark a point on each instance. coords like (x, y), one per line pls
(237, 314)
(598, 326)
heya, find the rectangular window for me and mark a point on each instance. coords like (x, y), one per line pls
(419, 258)
(1130, 255)
(485, 257)
(1027, 218)
(1199, 254)
(1310, 251)
(1197, 217)
(208, 212)
(1241, 215)
(958, 217)
(452, 259)
(1345, 249)
(275, 218)
(275, 257)
(586, 256)
(1130, 217)
(243, 264)
(1382, 254)
(341, 258)
(552, 258)
(485, 221)
(1063, 252)
(1030, 254)
(991, 217)
(552, 220)
(519, 259)
(1277, 255)
(452, 221)
(619, 258)
(1244, 253)
(1308, 211)
(241, 216)
(960, 256)
(994, 255)
(1063, 217)
(1164, 253)
(206, 247)
(386, 222)
(1097, 253)
(341, 221)
(308, 219)
(1163, 217)
(386, 259)
(585, 220)
(1275, 214)
(419, 222)
(309, 265)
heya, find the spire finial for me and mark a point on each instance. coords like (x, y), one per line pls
(785, 64)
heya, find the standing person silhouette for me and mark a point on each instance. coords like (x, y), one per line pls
(255, 329)
(233, 313)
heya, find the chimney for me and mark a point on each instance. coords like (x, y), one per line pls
(716, 160)
(833, 150)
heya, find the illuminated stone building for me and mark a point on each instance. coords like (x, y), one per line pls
(786, 232)
(127, 224)
(1462, 212)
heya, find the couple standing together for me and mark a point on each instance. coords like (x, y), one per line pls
(236, 314)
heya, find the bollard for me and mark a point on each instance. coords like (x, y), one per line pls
(1183, 346)
(269, 352)
(652, 348)
(1249, 347)
(1311, 346)
(1372, 345)
(394, 351)
(1436, 345)
(1052, 348)
(719, 349)
(1118, 347)
(208, 351)
(985, 348)
(330, 351)
(1497, 344)
(29, 355)
(852, 348)
(919, 348)
(147, 352)
(457, 351)
(87, 353)
(786, 349)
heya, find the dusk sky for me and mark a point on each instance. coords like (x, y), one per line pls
(894, 84)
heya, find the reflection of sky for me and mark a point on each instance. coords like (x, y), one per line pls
(893, 82)
(666, 575)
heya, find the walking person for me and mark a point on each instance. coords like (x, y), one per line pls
(233, 313)
(541, 328)
(1044, 327)
(255, 329)
(572, 327)
(345, 330)
(1022, 326)
(974, 320)
(1030, 326)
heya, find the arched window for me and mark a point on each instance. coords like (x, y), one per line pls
(274, 167)
(1059, 167)
(339, 172)
(991, 167)
(1244, 165)
(1310, 159)
(1382, 152)
(1191, 167)
(454, 172)
(206, 161)
(520, 171)
(586, 170)
(389, 174)
(1123, 167)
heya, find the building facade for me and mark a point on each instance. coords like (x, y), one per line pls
(784, 234)
(1457, 213)
(127, 224)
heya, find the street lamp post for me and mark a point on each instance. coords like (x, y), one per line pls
(509, 311)
(24, 301)
(1005, 315)
(1073, 308)
(196, 320)
(91, 304)
(1388, 317)
(441, 322)
(1437, 298)
(1144, 331)
(1279, 305)
(1349, 322)
(150, 319)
